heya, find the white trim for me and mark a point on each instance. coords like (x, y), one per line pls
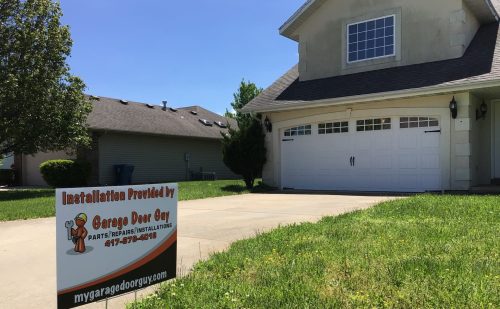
(295, 16)
(366, 21)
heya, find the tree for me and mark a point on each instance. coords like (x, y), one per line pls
(244, 150)
(246, 93)
(42, 106)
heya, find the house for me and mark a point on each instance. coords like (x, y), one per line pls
(388, 95)
(162, 143)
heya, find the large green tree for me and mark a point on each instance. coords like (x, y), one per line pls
(42, 106)
(244, 150)
(245, 93)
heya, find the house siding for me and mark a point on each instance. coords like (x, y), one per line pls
(159, 159)
(31, 175)
(427, 31)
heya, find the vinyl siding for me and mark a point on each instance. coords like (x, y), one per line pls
(159, 159)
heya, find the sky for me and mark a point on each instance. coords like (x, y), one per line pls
(186, 52)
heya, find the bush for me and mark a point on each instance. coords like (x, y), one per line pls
(244, 151)
(6, 177)
(65, 173)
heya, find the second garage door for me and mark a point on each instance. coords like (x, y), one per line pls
(371, 154)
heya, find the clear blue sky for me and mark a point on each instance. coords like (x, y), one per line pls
(187, 52)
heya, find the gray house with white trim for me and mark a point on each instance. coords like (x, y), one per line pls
(162, 143)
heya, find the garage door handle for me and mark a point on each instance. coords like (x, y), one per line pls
(350, 160)
(353, 161)
(288, 140)
(433, 131)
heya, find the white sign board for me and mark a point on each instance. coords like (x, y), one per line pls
(114, 240)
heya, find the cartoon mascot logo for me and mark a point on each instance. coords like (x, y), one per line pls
(78, 234)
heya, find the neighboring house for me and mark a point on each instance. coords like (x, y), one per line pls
(162, 143)
(388, 95)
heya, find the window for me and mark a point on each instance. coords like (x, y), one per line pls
(418, 122)
(333, 127)
(373, 124)
(301, 130)
(371, 39)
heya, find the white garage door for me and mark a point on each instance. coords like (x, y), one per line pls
(371, 154)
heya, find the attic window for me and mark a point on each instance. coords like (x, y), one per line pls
(220, 124)
(124, 102)
(206, 122)
(173, 109)
(371, 39)
(150, 106)
(194, 112)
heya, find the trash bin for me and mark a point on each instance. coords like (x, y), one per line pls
(123, 174)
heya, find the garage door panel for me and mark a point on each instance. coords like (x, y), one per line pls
(430, 161)
(396, 159)
(408, 161)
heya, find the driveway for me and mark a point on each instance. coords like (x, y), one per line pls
(27, 248)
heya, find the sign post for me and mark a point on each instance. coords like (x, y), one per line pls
(114, 240)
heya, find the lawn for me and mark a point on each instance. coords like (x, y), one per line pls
(422, 252)
(40, 203)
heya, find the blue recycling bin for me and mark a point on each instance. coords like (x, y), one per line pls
(123, 174)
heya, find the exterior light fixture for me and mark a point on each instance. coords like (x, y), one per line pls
(268, 125)
(454, 108)
(481, 112)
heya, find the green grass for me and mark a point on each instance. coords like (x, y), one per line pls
(422, 252)
(40, 203)
(26, 204)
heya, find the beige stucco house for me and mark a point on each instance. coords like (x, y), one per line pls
(388, 95)
(162, 143)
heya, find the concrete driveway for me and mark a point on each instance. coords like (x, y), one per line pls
(27, 248)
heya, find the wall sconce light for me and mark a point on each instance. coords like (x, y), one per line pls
(454, 108)
(268, 125)
(481, 112)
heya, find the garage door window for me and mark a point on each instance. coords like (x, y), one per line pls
(333, 127)
(373, 124)
(301, 130)
(418, 122)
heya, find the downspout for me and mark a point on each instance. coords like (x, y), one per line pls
(492, 9)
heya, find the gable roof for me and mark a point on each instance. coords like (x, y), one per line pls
(111, 115)
(486, 10)
(479, 65)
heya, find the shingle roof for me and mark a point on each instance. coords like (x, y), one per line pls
(111, 115)
(480, 63)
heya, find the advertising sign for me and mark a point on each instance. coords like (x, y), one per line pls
(114, 240)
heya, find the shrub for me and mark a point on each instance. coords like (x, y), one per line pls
(244, 151)
(65, 173)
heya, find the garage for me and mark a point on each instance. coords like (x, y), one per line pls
(371, 153)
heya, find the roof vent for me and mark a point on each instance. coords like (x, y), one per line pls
(150, 106)
(194, 112)
(164, 105)
(220, 124)
(93, 97)
(206, 122)
(124, 102)
(173, 109)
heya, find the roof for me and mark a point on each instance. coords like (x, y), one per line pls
(111, 115)
(486, 10)
(479, 64)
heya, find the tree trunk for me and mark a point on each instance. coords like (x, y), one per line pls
(249, 183)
